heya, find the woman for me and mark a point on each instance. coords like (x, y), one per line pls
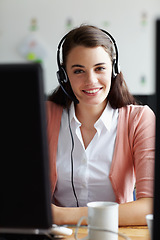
(100, 142)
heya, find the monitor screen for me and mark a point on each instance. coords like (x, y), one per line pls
(25, 201)
(156, 225)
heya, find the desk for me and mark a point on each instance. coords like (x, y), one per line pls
(134, 232)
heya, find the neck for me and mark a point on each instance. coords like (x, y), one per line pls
(89, 114)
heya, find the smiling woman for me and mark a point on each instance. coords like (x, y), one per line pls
(91, 117)
(90, 37)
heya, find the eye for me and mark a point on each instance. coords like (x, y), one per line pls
(100, 69)
(78, 71)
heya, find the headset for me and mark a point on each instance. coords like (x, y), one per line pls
(62, 75)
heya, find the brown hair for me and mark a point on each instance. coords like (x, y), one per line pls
(91, 36)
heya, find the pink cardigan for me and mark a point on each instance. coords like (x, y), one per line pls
(133, 158)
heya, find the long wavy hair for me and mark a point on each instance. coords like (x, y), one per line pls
(91, 36)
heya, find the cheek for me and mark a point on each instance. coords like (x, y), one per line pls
(74, 83)
(75, 80)
(106, 80)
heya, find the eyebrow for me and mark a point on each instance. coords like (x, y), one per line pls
(78, 65)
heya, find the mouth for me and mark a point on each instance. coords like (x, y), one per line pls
(92, 91)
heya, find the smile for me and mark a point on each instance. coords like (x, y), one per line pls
(92, 91)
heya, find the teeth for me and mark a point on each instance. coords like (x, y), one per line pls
(92, 91)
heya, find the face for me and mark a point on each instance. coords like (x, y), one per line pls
(89, 71)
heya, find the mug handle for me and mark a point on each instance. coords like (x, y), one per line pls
(87, 238)
(78, 225)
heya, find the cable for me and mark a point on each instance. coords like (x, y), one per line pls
(99, 229)
(72, 168)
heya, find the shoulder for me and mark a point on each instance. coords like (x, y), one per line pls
(137, 113)
(136, 118)
(53, 108)
(54, 111)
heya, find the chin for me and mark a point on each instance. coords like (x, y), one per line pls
(96, 103)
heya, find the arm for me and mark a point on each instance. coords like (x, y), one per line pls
(131, 213)
(70, 216)
(143, 139)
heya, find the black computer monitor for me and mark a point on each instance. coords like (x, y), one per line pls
(25, 199)
(156, 224)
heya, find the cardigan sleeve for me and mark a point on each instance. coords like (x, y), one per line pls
(54, 113)
(143, 150)
(134, 153)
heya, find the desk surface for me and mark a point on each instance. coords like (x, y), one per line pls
(134, 232)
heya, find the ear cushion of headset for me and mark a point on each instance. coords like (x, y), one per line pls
(62, 76)
(114, 70)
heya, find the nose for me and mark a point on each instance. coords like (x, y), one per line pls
(91, 77)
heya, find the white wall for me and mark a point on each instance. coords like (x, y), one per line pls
(131, 22)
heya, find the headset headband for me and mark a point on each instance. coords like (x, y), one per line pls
(116, 62)
(58, 51)
(117, 66)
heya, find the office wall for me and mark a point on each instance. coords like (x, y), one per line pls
(131, 22)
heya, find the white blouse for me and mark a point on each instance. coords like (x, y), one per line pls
(91, 166)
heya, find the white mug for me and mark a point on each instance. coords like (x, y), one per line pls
(149, 219)
(102, 221)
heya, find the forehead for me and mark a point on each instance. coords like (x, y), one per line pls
(85, 54)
